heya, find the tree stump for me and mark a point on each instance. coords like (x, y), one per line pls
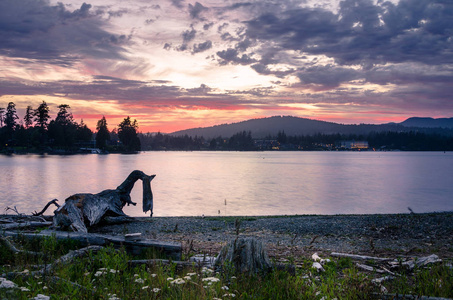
(245, 255)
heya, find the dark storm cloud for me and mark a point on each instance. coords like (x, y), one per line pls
(177, 3)
(390, 42)
(188, 35)
(34, 29)
(130, 92)
(232, 56)
(364, 33)
(327, 76)
(196, 10)
(264, 70)
(202, 47)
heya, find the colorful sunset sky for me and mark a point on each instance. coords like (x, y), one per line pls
(178, 64)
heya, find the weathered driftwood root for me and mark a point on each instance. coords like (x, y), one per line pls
(54, 201)
(246, 255)
(82, 210)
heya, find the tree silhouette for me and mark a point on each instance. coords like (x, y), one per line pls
(102, 135)
(2, 111)
(63, 129)
(11, 116)
(28, 118)
(42, 115)
(127, 133)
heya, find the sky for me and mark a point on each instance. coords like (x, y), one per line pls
(178, 64)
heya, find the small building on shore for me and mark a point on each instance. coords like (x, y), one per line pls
(353, 145)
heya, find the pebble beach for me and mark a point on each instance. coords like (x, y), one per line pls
(300, 236)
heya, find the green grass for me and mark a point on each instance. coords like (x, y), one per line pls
(106, 275)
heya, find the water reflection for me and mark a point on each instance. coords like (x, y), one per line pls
(250, 183)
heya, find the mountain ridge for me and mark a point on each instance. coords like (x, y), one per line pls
(271, 126)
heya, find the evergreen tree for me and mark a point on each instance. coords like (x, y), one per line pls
(64, 117)
(102, 135)
(2, 111)
(28, 118)
(42, 116)
(63, 129)
(127, 133)
(84, 134)
(10, 120)
(11, 116)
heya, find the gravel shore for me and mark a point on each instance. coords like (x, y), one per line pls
(301, 236)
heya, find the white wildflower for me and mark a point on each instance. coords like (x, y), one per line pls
(139, 280)
(136, 275)
(206, 270)
(178, 281)
(114, 297)
(86, 274)
(6, 284)
(99, 273)
(113, 271)
(211, 279)
(153, 275)
(191, 274)
(25, 271)
(229, 295)
(156, 290)
(102, 269)
(225, 288)
(24, 289)
(41, 297)
(145, 287)
(233, 277)
(187, 277)
(170, 279)
(44, 287)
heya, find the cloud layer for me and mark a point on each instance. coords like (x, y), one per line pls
(345, 61)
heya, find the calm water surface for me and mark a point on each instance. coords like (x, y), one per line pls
(241, 183)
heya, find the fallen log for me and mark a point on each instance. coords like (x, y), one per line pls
(169, 249)
(13, 226)
(360, 257)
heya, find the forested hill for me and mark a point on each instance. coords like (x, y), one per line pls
(294, 126)
(429, 122)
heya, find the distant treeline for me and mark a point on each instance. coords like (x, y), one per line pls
(243, 141)
(36, 132)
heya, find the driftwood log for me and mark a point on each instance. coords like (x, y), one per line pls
(82, 210)
(134, 247)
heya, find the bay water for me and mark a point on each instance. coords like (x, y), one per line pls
(241, 183)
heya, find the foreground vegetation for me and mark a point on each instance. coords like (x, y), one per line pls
(106, 274)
